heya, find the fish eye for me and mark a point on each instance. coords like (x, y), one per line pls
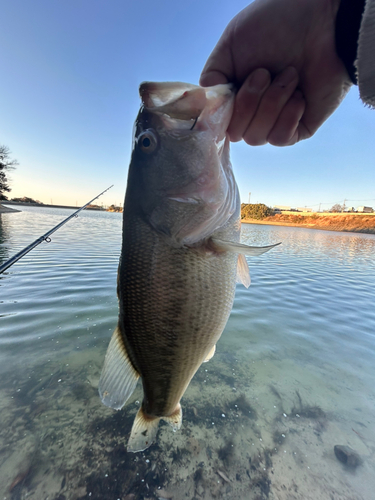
(147, 141)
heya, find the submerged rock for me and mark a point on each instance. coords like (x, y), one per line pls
(347, 455)
(164, 495)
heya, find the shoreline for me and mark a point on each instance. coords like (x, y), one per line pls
(4, 210)
(47, 205)
(8, 210)
(353, 223)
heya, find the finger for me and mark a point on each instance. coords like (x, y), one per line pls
(211, 78)
(270, 106)
(247, 101)
(219, 66)
(286, 130)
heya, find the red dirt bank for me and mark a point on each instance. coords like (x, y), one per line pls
(358, 223)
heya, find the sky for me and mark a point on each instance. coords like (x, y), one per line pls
(69, 81)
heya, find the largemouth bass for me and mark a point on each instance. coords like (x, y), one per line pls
(181, 253)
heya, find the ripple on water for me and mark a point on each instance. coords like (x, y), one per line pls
(300, 341)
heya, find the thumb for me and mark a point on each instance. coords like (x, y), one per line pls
(218, 68)
(212, 77)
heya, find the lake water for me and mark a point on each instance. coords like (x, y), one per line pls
(292, 377)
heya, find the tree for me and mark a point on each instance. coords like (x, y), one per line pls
(255, 211)
(337, 208)
(26, 199)
(5, 164)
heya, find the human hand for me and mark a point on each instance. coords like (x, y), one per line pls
(295, 43)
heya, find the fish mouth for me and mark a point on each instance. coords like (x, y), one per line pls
(181, 103)
(184, 107)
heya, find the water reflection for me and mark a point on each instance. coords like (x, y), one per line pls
(4, 236)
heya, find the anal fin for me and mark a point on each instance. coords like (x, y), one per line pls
(143, 432)
(210, 354)
(118, 378)
(243, 273)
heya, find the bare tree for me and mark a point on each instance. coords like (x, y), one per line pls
(337, 208)
(5, 164)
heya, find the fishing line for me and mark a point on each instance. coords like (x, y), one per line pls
(195, 122)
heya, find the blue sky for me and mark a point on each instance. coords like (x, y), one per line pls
(70, 73)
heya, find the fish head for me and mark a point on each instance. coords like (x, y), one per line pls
(180, 174)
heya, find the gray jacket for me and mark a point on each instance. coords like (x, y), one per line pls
(365, 62)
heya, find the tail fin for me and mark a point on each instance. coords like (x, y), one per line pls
(145, 428)
(143, 432)
(175, 420)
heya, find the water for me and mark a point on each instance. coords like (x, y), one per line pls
(293, 374)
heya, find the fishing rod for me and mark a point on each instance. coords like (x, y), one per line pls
(45, 237)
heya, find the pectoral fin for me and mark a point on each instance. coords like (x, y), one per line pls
(243, 273)
(118, 378)
(229, 246)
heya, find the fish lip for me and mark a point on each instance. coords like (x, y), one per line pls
(159, 99)
(163, 125)
(175, 127)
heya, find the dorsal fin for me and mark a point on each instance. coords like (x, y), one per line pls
(118, 378)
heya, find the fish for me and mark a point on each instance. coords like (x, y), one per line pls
(181, 253)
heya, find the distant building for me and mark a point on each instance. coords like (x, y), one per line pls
(281, 208)
(365, 210)
(349, 209)
(304, 209)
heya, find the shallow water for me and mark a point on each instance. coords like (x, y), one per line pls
(293, 374)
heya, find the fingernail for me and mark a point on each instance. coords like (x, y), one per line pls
(259, 80)
(287, 76)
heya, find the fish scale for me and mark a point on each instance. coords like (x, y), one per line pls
(172, 295)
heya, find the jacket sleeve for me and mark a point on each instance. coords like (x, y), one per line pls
(365, 62)
(355, 44)
(348, 22)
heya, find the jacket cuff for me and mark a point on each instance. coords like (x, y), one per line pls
(348, 22)
(365, 62)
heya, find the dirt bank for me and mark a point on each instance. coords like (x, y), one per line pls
(358, 223)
